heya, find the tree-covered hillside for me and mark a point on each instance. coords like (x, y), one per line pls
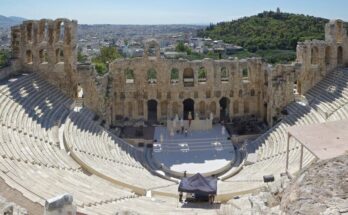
(268, 31)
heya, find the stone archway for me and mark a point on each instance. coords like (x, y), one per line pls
(152, 111)
(224, 108)
(29, 57)
(189, 106)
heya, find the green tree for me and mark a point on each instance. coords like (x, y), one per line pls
(269, 34)
(101, 68)
(202, 73)
(174, 74)
(81, 57)
(180, 47)
(129, 73)
(106, 56)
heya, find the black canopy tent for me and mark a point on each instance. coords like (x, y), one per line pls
(199, 185)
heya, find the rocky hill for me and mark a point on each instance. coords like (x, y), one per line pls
(272, 35)
(7, 22)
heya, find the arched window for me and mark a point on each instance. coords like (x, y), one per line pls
(46, 32)
(29, 57)
(152, 110)
(59, 56)
(188, 77)
(43, 56)
(61, 31)
(245, 73)
(224, 74)
(152, 76)
(174, 75)
(129, 74)
(231, 93)
(252, 92)
(202, 75)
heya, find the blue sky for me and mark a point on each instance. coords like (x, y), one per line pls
(165, 11)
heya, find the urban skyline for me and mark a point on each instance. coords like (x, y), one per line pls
(166, 12)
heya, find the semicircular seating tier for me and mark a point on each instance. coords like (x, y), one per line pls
(34, 163)
(108, 156)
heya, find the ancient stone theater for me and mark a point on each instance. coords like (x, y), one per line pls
(130, 141)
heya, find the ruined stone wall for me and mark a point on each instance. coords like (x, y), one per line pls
(94, 90)
(224, 80)
(321, 57)
(49, 48)
(280, 89)
(145, 87)
(315, 59)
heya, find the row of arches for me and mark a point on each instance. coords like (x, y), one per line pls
(43, 56)
(188, 106)
(188, 75)
(43, 31)
(328, 52)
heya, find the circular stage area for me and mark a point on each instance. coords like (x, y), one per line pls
(207, 152)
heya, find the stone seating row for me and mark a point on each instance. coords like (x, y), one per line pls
(147, 206)
(94, 140)
(106, 155)
(271, 146)
(45, 183)
(274, 141)
(24, 138)
(31, 161)
(331, 93)
(340, 114)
